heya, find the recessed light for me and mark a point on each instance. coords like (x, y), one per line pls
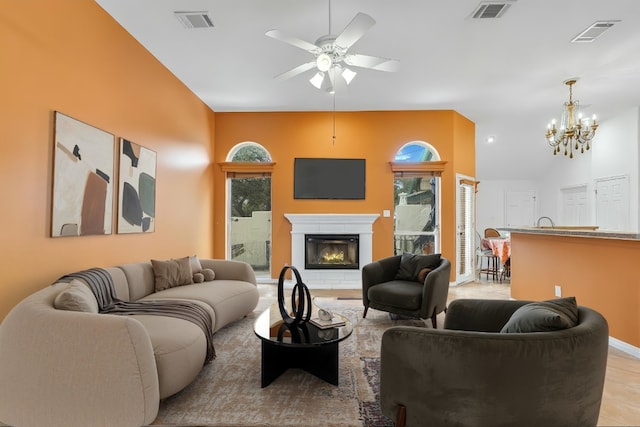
(491, 139)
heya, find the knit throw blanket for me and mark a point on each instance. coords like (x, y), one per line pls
(101, 284)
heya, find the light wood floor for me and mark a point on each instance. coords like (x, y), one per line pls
(621, 398)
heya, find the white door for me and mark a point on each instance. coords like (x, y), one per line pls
(465, 235)
(575, 207)
(612, 203)
(520, 208)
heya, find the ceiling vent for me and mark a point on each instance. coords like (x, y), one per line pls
(594, 31)
(194, 19)
(490, 10)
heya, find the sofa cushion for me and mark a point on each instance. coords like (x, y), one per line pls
(403, 294)
(76, 296)
(229, 299)
(412, 264)
(172, 272)
(179, 347)
(543, 316)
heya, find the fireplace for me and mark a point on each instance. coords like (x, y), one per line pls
(331, 252)
(331, 224)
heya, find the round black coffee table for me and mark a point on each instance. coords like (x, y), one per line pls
(303, 345)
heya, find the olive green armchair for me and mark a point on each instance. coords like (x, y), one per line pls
(385, 288)
(469, 374)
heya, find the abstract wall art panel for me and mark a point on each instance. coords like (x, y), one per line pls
(137, 195)
(82, 179)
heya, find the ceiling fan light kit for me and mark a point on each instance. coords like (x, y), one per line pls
(323, 62)
(331, 56)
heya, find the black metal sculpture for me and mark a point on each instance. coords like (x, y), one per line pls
(300, 299)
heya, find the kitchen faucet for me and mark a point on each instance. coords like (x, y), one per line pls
(545, 217)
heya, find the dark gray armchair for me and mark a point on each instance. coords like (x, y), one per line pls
(382, 291)
(470, 374)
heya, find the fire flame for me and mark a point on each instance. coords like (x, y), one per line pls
(334, 257)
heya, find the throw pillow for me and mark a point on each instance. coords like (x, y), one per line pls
(76, 296)
(198, 278)
(171, 273)
(185, 275)
(196, 267)
(411, 264)
(551, 315)
(208, 274)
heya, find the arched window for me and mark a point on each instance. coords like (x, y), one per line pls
(416, 151)
(249, 152)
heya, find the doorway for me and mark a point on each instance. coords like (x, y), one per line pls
(612, 203)
(575, 206)
(465, 226)
(249, 209)
(520, 208)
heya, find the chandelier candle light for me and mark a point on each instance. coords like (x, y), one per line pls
(574, 132)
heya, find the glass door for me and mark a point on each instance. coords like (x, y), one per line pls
(250, 221)
(466, 243)
(416, 222)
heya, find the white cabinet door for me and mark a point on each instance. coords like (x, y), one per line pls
(612, 203)
(520, 208)
(575, 206)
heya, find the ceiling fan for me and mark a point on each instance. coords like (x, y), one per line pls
(332, 59)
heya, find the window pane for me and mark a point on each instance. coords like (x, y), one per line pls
(415, 215)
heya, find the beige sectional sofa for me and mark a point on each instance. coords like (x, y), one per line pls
(78, 368)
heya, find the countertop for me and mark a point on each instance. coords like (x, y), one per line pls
(569, 231)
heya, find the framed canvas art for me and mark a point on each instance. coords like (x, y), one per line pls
(137, 188)
(82, 201)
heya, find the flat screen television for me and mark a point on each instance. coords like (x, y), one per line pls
(336, 179)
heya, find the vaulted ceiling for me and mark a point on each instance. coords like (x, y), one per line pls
(506, 74)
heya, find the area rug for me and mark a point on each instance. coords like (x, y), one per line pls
(227, 392)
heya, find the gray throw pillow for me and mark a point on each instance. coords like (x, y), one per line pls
(411, 264)
(76, 296)
(171, 273)
(551, 315)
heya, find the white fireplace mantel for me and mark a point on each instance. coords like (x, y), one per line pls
(360, 224)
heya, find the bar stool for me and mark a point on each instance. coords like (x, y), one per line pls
(486, 261)
(492, 265)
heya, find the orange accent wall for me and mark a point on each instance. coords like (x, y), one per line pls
(598, 272)
(375, 136)
(71, 56)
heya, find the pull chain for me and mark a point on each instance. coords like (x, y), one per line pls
(329, 16)
(334, 120)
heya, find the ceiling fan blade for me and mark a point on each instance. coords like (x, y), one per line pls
(293, 41)
(372, 62)
(354, 30)
(297, 70)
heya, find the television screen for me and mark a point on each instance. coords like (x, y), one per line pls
(316, 178)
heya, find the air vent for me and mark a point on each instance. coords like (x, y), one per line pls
(594, 31)
(194, 19)
(490, 10)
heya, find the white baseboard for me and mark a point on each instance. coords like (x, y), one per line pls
(625, 347)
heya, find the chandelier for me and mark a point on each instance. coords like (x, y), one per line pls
(575, 132)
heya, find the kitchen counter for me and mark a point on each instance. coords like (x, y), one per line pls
(574, 231)
(597, 267)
